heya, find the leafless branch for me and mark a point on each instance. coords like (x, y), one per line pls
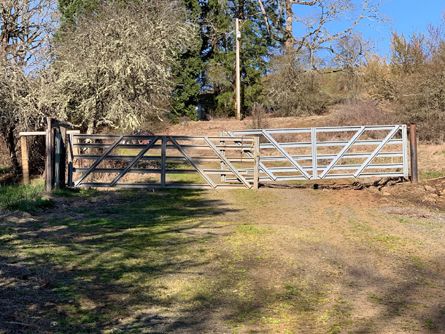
(264, 13)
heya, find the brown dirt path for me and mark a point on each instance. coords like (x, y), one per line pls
(334, 262)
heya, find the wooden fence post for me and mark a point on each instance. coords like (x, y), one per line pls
(25, 159)
(49, 171)
(256, 158)
(59, 156)
(163, 160)
(413, 153)
(69, 150)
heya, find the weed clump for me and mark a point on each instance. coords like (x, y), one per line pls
(24, 198)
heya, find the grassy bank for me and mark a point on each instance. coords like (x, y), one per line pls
(33, 198)
(24, 197)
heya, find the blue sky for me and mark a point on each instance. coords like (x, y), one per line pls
(403, 16)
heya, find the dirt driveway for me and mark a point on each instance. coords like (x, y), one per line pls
(267, 261)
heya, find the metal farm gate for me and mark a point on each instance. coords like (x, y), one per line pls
(235, 159)
(161, 161)
(331, 152)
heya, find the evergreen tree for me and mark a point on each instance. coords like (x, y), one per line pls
(187, 74)
(256, 46)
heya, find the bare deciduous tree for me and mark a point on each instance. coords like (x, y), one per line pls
(114, 68)
(316, 32)
(318, 36)
(350, 53)
(25, 29)
(290, 90)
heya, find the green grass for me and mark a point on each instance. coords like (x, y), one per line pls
(32, 197)
(24, 197)
(193, 178)
(121, 258)
(127, 260)
(431, 174)
(114, 261)
(76, 193)
(250, 230)
(429, 324)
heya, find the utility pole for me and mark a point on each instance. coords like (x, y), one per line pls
(238, 69)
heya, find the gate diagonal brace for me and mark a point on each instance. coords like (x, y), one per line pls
(343, 151)
(285, 154)
(98, 161)
(134, 161)
(187, 157)
(228, 163)
(377, 150)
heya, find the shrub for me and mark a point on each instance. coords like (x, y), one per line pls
(421, 95)
(414, 83)
(361, 113)
(290, 90)
(259, 117)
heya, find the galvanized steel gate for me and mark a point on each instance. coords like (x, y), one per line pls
(161, 161)
(331, 152)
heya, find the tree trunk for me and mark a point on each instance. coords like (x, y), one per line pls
(91, 126)
(11, 145)
(289, 37)
(240, 12)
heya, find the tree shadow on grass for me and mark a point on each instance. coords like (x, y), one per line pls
(398, 299)
(86, 269)
(407, 302)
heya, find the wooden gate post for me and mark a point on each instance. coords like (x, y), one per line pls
(256, 159)
(63, 157)
(49, 171)
(413, 153)
(163, 161)
(25, 159)
(69, 153)
(59, 157)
